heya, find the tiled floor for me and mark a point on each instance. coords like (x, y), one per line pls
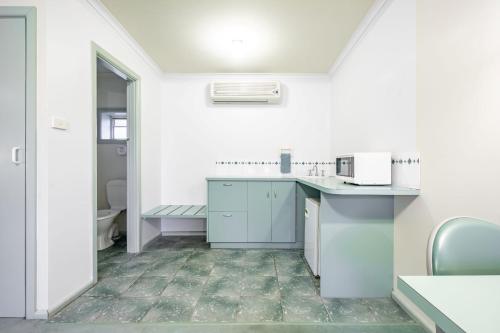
(179, 280)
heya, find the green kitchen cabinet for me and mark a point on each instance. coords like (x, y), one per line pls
(259, 212)
(283, 212)
(227, 196)
(228, 227)
(251, 211)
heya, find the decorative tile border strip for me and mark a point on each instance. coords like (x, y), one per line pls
(271, 163)
(406, 161)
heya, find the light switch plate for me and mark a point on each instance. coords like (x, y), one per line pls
(60, 123)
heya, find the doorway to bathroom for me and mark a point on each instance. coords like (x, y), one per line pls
(116, 159)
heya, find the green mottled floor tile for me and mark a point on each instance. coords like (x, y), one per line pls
(292, 268)
(260, 286)
(112, 286)
(131, 268)
(349, 310)
(147, 257)
(177, 256)
(259, 309)
(202, 257)
(296, 286)
(223, 286)
(194, 269)
(231, 255)
(287, 255)
(170, 309)
(386, 310)
(216, 309)
(229, 268)
(84, 309)
(105, 270)
(304, 309)
(264, 268)
(259, 256)
(189, 288)
(118, 258)
(146, 287)
(127, 310)
(164, 269)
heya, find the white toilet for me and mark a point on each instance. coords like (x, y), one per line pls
(116, 194)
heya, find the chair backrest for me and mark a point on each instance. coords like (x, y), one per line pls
(464, 246)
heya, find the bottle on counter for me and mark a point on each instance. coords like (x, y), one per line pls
(286, 161)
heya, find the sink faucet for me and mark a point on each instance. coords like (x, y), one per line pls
(317, 172)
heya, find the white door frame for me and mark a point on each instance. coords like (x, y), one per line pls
(29, 13)
(133, 152)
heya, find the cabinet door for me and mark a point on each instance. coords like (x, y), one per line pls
(283, 212)
(227, 227)
(259, 211)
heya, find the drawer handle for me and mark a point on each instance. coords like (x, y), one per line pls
(227, 184)
(227, 215)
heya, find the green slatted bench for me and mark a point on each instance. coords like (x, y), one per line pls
(177, 212)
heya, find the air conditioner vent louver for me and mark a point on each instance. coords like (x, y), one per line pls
(245, 92)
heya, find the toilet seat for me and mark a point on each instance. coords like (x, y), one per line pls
(103, 214)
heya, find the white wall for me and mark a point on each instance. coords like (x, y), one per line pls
(374, 101)
(373, 89)
(111, 93)
(197, 133)
(71, 27)
(64, 158)
(458, 105)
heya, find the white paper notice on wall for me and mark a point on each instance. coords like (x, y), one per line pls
(59, 123)
(406, 170)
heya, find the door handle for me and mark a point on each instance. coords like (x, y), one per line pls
(275, 194)
(267, 195)
(15, 155)
(306, 213)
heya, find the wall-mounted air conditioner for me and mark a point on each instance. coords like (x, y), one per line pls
(245, 92)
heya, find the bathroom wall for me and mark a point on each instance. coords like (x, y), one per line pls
(111, 93)
(198, 134)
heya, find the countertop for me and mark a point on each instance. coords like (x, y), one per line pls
(328, 185)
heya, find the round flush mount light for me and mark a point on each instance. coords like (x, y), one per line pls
(235, 41)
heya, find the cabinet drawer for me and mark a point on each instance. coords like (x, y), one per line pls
(227, 196)
(230, 227)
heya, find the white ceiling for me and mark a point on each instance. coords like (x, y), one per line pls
(243, 36)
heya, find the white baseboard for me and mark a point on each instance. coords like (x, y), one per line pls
(413, 311)
(183, 233)
(69, 299)
(38, 315)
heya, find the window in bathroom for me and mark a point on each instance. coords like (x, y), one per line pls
(112, 125)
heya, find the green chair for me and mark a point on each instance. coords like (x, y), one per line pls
(464, 246)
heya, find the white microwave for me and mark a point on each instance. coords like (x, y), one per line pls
(364, 168)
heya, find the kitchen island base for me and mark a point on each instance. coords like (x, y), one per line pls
(357, 241)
